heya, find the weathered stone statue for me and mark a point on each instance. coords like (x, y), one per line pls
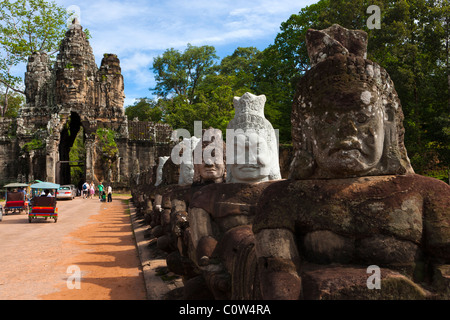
(252, 136)
(210, 171)
(187, 168)
(220, 215)
(355, 202)
(159, 170)
(205, 173)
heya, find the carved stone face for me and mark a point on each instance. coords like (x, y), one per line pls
(210, 171)
(349, 140)
(252, 158)
(72, 87)
(186, 173)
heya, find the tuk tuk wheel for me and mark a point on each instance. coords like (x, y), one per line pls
(29, 220)
(56, 219)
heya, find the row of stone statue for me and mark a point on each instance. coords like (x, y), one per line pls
(233, 229)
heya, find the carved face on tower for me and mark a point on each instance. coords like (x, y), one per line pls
(346, 116)
(251, 143)
(75, 68)
(71, 86)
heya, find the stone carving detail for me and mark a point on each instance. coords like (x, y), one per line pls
(187, 168)
(256, 138)
(210, 171)
(357, 201)
(159, 170)
(353, 200)
(349, 122)
(75, 70)
(36, 78)
(335, 40)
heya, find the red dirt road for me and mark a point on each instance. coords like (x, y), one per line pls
(91, 237)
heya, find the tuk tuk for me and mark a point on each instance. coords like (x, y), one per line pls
(16, 198)
(43, 201)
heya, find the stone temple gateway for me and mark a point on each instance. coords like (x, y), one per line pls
(75, 94)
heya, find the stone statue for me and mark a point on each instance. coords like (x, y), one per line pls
(355, 201)
(210, 171)
(187, 168)
(178, 245)
(221, 215)
(255, 142)
(159, 170)
(349, 123)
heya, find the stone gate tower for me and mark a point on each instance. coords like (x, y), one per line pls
(71, 95)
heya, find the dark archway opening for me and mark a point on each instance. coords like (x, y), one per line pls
(71, 165)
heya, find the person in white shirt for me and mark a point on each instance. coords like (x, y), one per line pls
(109, 194)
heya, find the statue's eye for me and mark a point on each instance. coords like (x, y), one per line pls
(361, 118)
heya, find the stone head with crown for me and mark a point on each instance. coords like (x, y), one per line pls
(252, 145)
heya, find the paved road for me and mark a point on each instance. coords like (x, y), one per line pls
(34, 257)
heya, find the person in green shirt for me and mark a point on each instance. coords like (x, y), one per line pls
(100, 190)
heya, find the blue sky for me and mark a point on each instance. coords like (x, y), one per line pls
(139, 30)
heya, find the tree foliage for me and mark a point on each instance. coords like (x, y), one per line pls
(179, 73)
(107, 144)
(144, 109)
(194, 86)
(15, 102)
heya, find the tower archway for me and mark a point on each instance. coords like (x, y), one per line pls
(70, 168)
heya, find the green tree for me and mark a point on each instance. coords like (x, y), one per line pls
(200, 89)
(27, 26)
(145, 110)
(180, 73)
(107, 144)
(77, 153)
(242, 65)
(15, 102)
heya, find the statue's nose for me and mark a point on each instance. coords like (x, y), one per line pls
(348, 127)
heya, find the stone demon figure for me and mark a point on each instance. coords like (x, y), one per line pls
(353, 200)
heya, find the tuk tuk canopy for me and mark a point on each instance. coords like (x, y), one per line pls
(45, 185)
(15, 185)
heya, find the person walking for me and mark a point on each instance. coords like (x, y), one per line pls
(85, 190)
(109, 193)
